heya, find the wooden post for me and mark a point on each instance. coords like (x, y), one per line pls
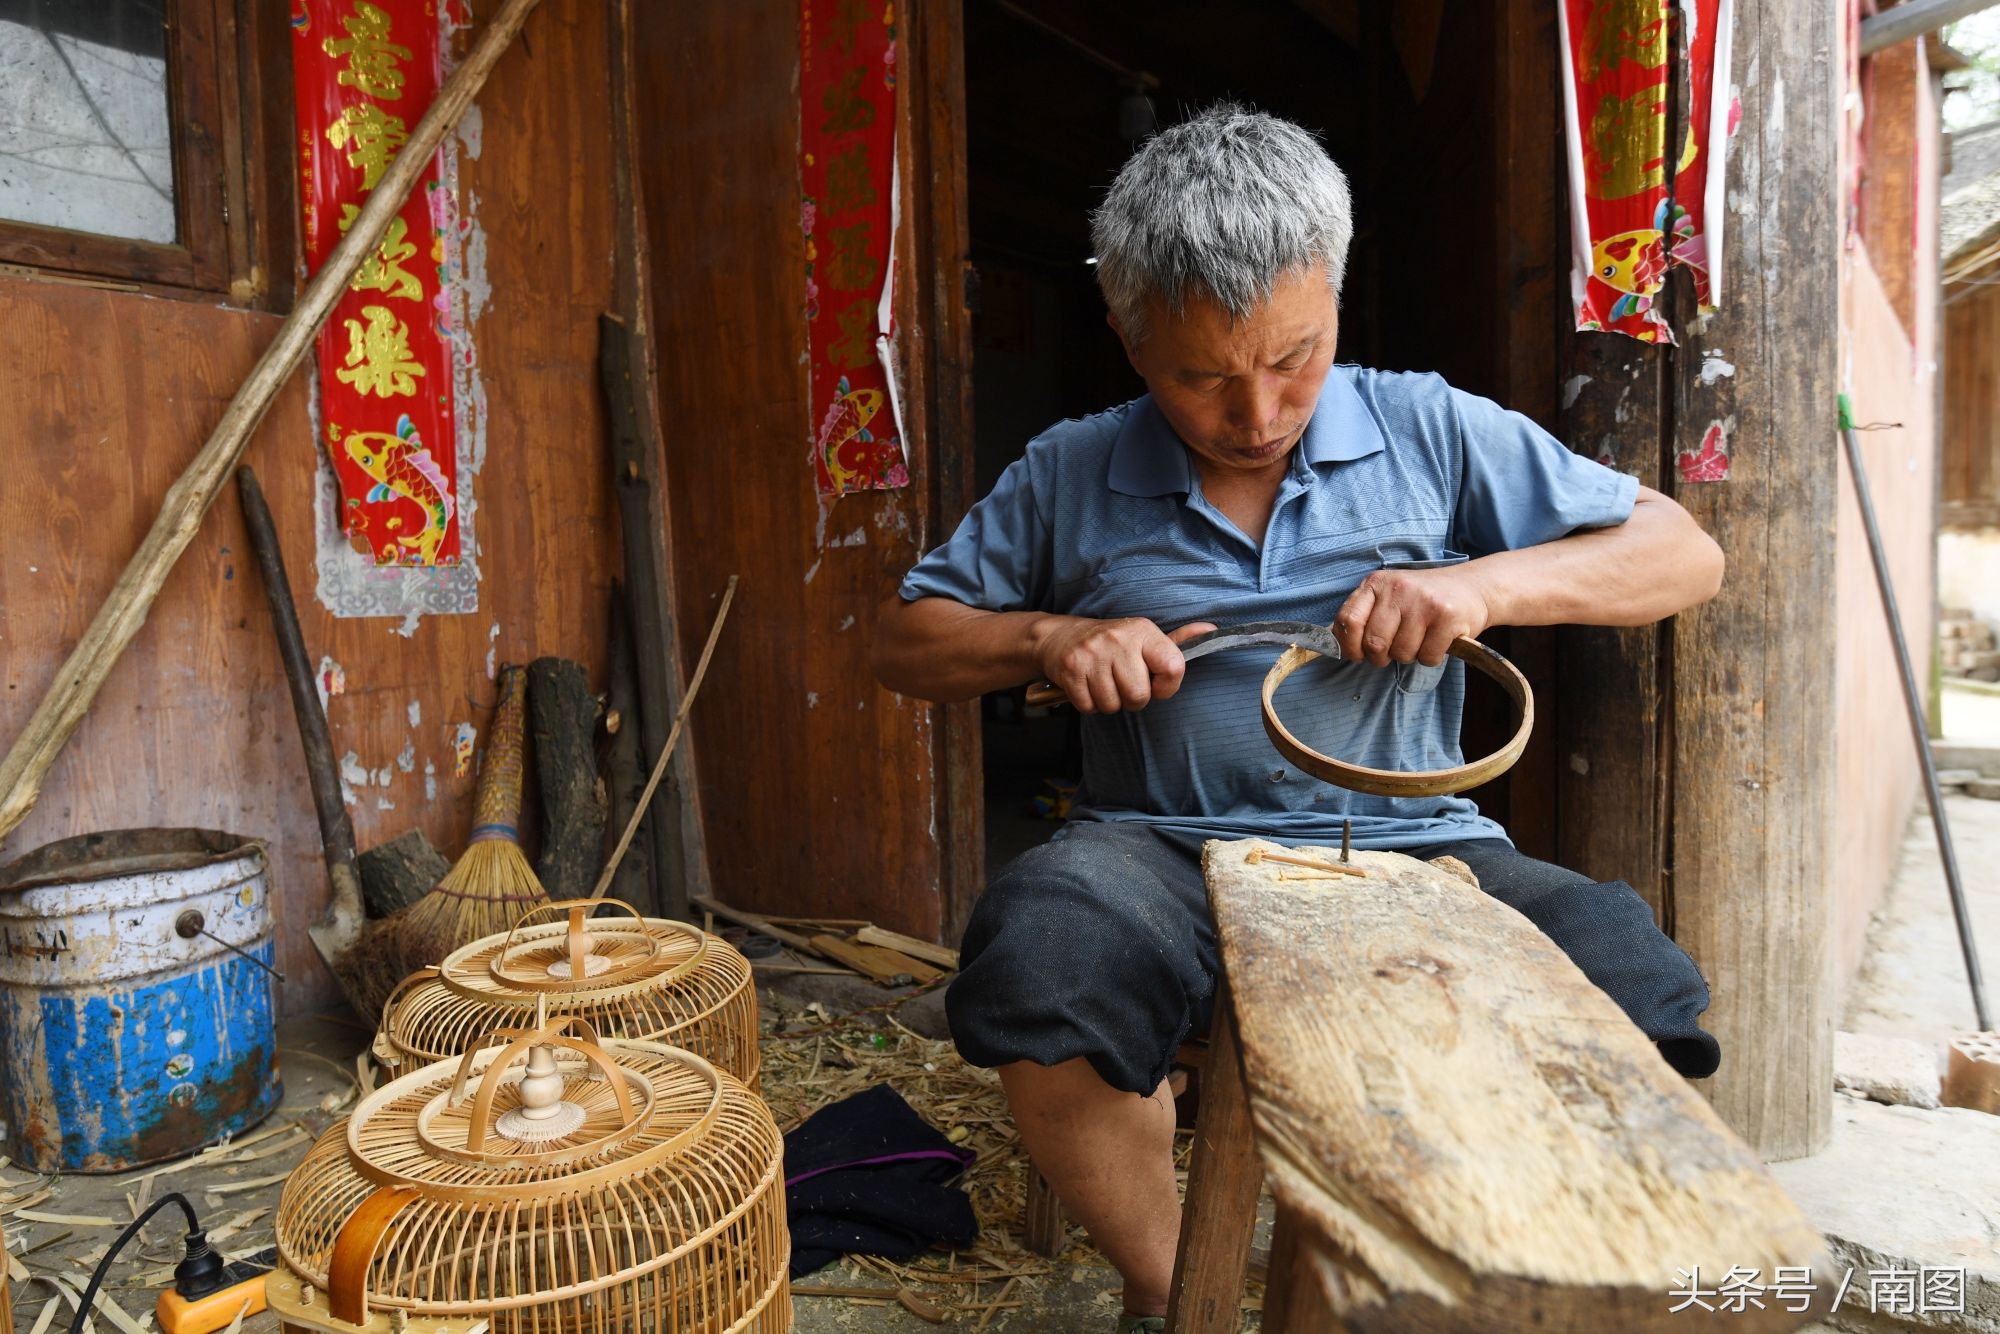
(626, 364)
(1697, 756)
(931, 105)
(1753, 752)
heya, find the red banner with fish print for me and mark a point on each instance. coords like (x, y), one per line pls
(1631, 218)
(365, 71)
(1617, 55)
(848, 212)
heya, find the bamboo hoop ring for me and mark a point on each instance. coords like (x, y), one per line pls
(1412, 783)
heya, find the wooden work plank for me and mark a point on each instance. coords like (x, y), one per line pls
(884, 965)
(1464, 1131)
(1223, 1180)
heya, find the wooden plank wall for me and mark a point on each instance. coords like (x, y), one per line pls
(817, 785)
(109, 393)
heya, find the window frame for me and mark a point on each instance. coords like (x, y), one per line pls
(218, 52)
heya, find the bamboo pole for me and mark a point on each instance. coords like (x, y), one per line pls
(70, 695)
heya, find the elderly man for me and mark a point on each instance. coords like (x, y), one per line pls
(1255, 480)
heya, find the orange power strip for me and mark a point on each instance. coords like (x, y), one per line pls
(204, 1315)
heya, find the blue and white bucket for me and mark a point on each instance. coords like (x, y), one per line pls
(124, 1041)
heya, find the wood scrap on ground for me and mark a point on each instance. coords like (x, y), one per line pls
(887, 966)
(888, 957)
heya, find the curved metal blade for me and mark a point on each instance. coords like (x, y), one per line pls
(1280, 634)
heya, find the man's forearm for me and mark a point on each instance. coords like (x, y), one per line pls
(945, 651)
(1656, 563)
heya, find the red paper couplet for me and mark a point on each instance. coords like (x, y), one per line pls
(847, 154)
(1632, 217)
(365, 71)
(1617, 54)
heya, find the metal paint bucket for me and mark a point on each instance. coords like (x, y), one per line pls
(125, 1043)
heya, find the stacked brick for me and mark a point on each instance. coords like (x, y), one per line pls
(1969, 647)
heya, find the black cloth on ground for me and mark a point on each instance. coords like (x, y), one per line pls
(867, 1175)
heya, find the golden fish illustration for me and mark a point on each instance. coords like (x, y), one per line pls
(401, 466)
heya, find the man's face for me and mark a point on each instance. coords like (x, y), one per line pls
(1240, 393)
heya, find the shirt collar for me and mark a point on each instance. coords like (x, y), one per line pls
(1148, 458)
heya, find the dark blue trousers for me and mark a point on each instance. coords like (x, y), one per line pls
(1099, 944)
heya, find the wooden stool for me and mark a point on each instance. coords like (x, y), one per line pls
(1461, 1132)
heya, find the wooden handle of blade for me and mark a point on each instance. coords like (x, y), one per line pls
(1044, 695)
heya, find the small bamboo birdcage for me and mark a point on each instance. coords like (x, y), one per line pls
(633, 978)
(550, 1185)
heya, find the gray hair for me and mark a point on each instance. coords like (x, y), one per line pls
(1220, 206)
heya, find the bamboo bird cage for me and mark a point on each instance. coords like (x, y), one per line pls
(633, 978)
(544, 1183)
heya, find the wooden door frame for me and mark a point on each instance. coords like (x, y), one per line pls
(932, 117)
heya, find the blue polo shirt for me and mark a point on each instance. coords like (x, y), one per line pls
(1105, 517)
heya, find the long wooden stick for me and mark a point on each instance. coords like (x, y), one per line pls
(75, 687)
(337, 931)
(667, 751)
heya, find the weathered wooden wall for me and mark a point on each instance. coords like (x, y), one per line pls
(817, 785)
(109, 393)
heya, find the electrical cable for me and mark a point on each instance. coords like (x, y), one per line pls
(196, 1247)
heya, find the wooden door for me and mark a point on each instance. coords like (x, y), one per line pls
(821, 793)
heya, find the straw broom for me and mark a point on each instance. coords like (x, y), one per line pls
(465, 906)
(493, 883)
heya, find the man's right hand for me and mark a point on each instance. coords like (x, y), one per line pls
(1110, 666)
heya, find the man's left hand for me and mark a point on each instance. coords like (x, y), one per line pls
(1411, 615)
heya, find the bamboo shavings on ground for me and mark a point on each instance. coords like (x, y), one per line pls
(812, 1057)
(841, 1055)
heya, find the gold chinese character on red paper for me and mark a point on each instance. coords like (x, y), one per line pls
(383, 271)
(1619, 30)
(848, 186)
(378, 355)
(372, 137)
(1628, 143)
(849, 266)
(371, 57)
(856, 345)
(846, 109)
